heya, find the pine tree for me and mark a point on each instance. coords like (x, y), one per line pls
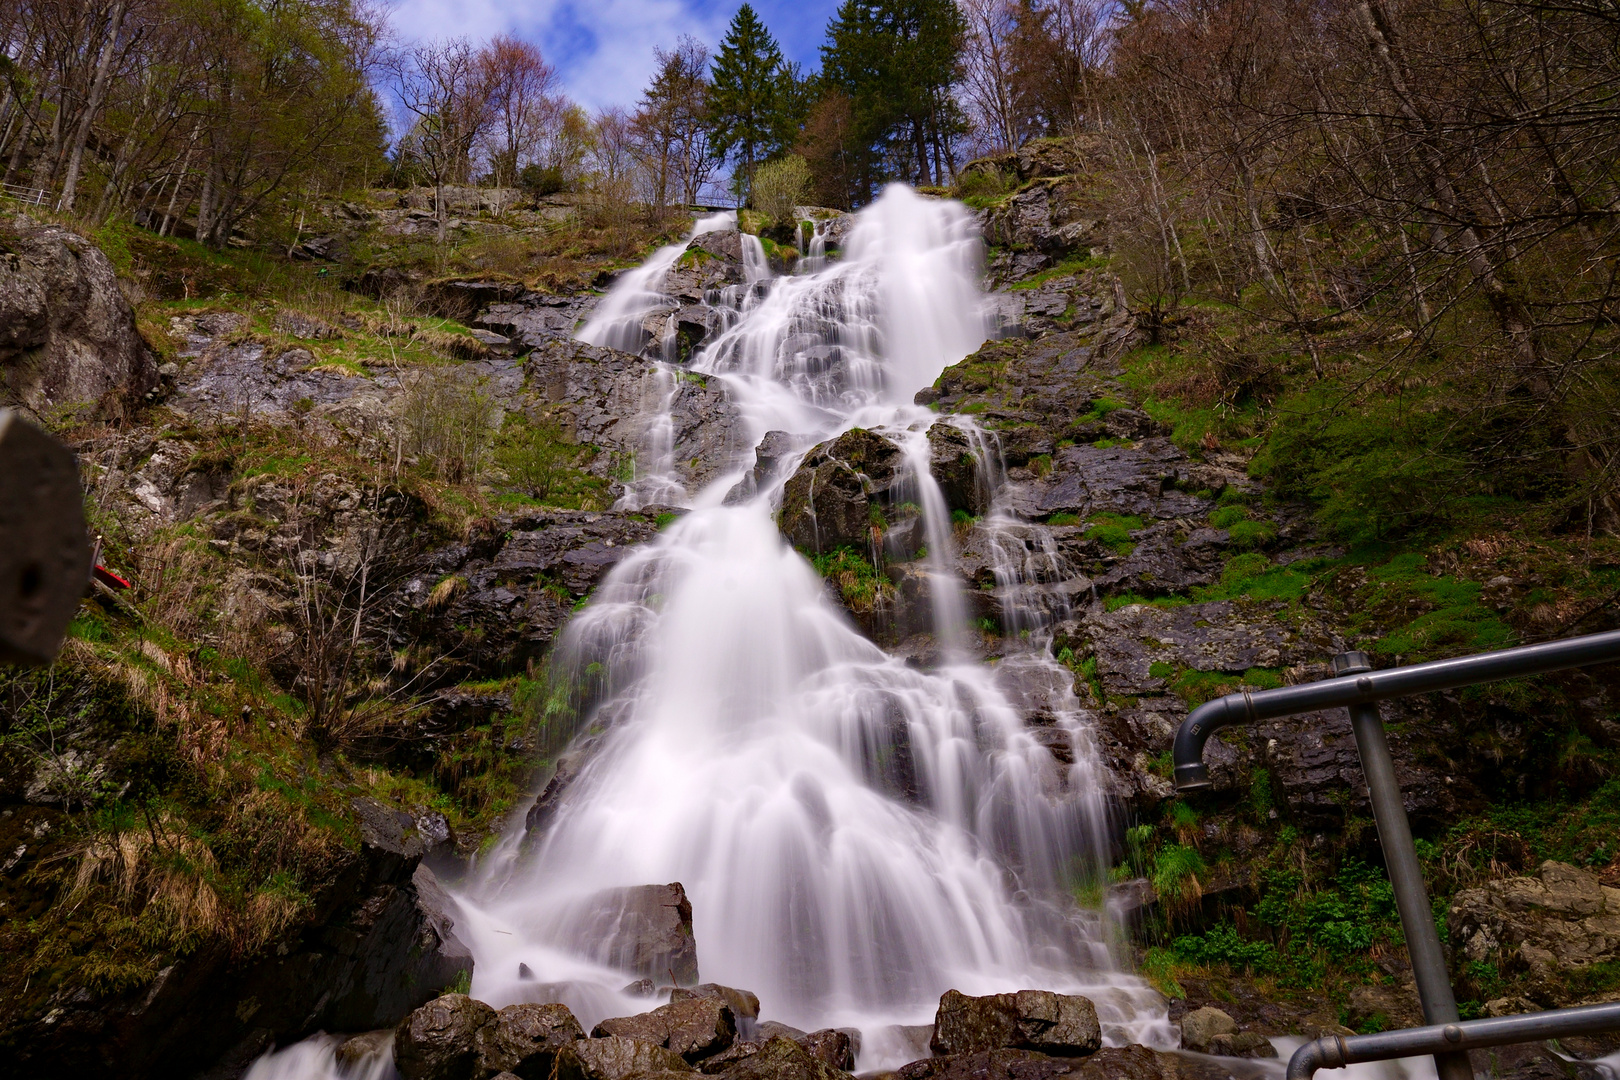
(747, 98)
(896, 61)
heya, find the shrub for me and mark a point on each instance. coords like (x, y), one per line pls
(779, 186)
(536, 458)
(447, 419)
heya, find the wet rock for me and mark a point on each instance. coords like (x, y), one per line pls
(613, 401)
(645, 929)
(614, 1058)
(1059, 1024)
(1561, 920)
(1033, 392)
(838, 1047)
(536, 318)
(781, 1058)
(1112, 1063)
(771, 1029)
(1201, 1026)
(439, 1040)
(730, 1056)
(524, 1039)
(694, 1028)
(959, 468)
(67, 335)
(513, 585)
(744, 1004)
(829, 501)
(1242, 1044)
(357, 1051)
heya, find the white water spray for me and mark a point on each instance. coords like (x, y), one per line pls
(856, 835)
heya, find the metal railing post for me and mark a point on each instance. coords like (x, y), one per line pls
(1401, 862)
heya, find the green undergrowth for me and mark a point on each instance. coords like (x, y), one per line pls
(1113, 531)
(862, 586)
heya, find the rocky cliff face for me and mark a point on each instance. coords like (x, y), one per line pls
(67, 335)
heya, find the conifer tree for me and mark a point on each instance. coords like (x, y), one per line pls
(747, 98)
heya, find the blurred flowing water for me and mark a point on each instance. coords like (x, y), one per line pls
(751, 733)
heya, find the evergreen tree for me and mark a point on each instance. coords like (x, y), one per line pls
(751, 99)
(896, 61)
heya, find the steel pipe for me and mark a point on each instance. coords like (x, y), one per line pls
(1336, 1051)
(1245, 707)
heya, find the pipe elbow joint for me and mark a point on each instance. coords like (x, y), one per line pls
(1191, 774)
(1328, 1052)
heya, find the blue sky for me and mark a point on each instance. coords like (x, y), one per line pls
(603, 48)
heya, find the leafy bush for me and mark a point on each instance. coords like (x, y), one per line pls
(779, 186)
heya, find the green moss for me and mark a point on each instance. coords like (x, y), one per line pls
(1113, 531)
(1063, 519)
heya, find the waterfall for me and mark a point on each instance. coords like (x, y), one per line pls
(616, 323)
(856, 835)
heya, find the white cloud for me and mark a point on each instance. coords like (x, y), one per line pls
(603, 49)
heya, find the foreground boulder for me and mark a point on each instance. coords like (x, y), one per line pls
(1561, 921)
(614, 1058)
(1211, 1031)
(439, 1040)
(781, 1058)
(524, 1040)
(67, 335)
(644, 929)
(1114, 1063)
(694, 1028)
(1059, 1024)
(744, 1004)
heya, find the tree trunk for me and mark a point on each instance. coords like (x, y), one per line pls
(98, 90)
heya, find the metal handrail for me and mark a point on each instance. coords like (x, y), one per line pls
(1358, 687)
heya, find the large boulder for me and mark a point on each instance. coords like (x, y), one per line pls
(744, 1004)
(67, 335)
(439, 1041)
(524, 1040)
(644, 929)
(1059, 1024)
(828, 502)
(694, 1028)
(1113, 1063)
(614, 1058)
(781, 1058)
(1561, 921)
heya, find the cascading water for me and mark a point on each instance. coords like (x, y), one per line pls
(616, 323)
(856, 835)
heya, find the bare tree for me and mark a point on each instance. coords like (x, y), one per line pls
(519, 87)
(672, 123)
(441, 85)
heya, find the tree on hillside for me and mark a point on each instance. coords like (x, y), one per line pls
(746, 101)
(518, 85)
(898, 62)
(673, 122)
(440, 85)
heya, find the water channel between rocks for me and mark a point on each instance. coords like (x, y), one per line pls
(857, 834)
